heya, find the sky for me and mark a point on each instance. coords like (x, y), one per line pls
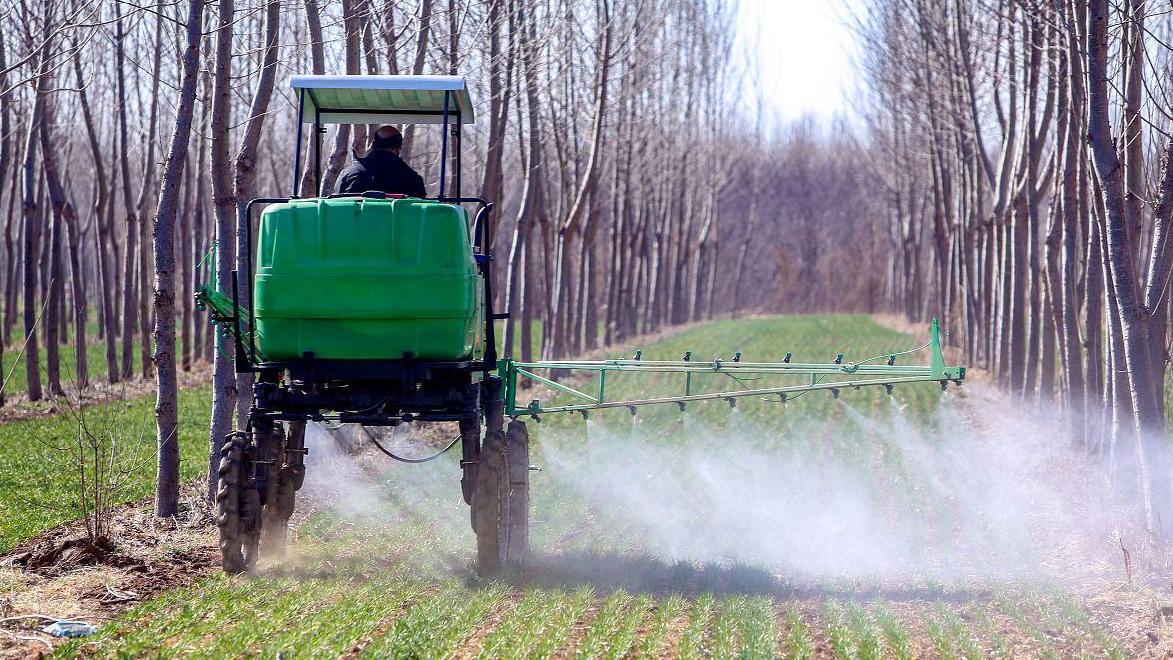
(805, 52)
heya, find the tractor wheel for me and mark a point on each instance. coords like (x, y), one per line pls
(238, 506)
(517, 453)
(286, 482)
(490, 504)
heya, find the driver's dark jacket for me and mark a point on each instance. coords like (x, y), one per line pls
(381, 170)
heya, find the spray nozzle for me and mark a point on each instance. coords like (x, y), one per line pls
(888, 387)
(682, 405)
(787, 358)
(638, 355)
(891, 360)
(585, 415)
(944, 385)
(632, 410)
(838, 358)
(737, 356)
(835, 392)
(783, 397)
(732, 402)
(687, 356)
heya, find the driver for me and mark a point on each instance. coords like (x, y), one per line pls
(382, 169)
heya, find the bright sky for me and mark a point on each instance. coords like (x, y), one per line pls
(805, 52)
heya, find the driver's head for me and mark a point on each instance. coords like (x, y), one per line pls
(387, 137)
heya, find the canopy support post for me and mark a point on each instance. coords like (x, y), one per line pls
(297, 150)
(317, 151)
(444, 147)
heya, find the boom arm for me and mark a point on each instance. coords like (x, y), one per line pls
(834, 377)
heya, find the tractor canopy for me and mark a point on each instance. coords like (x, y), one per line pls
(382, 99)
(349, 99)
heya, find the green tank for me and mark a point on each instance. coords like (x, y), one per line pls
(366, 279)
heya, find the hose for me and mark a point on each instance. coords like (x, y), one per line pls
(415, 460)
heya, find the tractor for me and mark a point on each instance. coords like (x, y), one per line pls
(372, 309)
(377, 309)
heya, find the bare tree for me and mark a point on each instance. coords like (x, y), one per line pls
(167, 398)
(224, 391)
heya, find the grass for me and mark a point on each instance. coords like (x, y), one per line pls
(613, 632)
(38, 480)
(664, 614)
(538, 626)
(896, 639)
(393, 579)
(951, 636)
(67, 358)
(692, 644)
(437, 623)
(798, 642)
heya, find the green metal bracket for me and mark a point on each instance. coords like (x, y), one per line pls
(835, 377)
(219, 305)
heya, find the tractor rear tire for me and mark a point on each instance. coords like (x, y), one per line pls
(238, 507)
(286, 481)
(490, 505)
(517, 454)
(500, 499)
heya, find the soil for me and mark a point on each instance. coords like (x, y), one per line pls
(63, 575)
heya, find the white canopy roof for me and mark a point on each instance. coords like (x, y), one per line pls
(384, 99)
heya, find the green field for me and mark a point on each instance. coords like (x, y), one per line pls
(384, 569)
(38, 475)
(13, 362)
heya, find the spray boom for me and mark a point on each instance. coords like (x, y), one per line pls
(834, 377)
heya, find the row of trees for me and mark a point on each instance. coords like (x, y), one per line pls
(1024, 152)
(132, 136)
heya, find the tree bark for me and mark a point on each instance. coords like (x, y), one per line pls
(32, 225)
(245, 178)
(224, 391)
(167, 395)
(1133, 318)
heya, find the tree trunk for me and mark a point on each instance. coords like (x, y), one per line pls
(167, 395)
(337, 159)
(65, 213)
(1134, 319)
(224, 391)
(245, 178)
(32, 225)
(129, 278)
(422, 33)
(103, 231)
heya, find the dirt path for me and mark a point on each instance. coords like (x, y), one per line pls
(49, 577)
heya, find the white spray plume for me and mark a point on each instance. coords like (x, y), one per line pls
(986, 491)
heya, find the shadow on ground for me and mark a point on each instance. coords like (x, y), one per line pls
(607, 572)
